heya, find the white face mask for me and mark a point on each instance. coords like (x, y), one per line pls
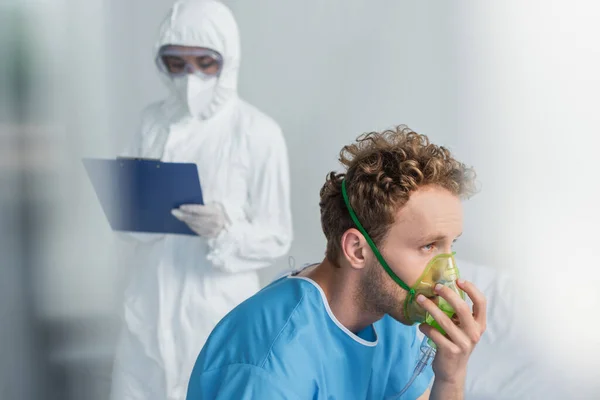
(195, 91)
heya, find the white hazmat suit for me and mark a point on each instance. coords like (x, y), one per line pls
(184, 285)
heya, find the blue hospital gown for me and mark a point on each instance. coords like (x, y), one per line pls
(284, 343)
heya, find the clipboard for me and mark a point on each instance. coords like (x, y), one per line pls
(137, 195)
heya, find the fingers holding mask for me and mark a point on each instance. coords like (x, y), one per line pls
(452, 331)
(463, 313)
(436, 336)
(466, 327)
(479, 302)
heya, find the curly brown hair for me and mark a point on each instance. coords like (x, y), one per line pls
(382, 170)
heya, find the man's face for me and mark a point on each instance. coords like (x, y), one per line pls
(427, 225)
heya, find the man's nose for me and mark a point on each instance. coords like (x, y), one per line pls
(447, 249)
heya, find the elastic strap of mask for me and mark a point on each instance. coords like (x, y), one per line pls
(372, 244)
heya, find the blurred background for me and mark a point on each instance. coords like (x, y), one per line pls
(511, 87)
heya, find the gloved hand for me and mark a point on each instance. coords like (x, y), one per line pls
(207, 221)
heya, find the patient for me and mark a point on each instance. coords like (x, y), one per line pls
(344, 328)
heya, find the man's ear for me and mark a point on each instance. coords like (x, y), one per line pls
(354, 248)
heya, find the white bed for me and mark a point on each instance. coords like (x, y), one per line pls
(503, 366)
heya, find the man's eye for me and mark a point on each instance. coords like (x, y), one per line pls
(428, 247)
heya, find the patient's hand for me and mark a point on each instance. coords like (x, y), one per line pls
(462, 335)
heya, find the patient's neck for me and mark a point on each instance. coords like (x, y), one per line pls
(341, 287)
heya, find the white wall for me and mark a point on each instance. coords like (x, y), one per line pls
(329, 71)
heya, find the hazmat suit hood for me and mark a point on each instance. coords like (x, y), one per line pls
(209, 24)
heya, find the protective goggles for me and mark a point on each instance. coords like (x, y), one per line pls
(441, 269)
(180, 62)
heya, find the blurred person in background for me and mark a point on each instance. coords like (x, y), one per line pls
(183, 285)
